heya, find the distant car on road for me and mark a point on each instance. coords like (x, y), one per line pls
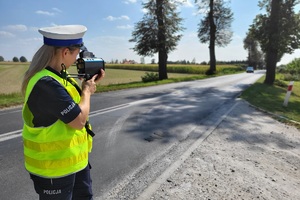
(250, 70)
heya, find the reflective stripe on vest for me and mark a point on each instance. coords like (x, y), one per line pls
(57, 146)
(57, 150)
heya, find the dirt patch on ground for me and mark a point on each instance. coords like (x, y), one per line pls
(249, 156)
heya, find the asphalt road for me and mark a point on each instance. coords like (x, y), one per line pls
(134, 129)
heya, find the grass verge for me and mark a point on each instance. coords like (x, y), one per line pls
(114, 87)
(12, 99)
(271, 98)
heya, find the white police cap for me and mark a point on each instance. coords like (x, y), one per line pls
(63, 36)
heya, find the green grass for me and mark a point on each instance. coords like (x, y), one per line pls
(178, 68)
(113, 87)
(117, 77)
(120, 76)
(12, 99)
(271, 98)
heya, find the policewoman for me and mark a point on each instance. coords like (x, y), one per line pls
(57, 137)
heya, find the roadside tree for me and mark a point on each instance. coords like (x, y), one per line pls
(278, 32)
(23, 59)
(1, 59)
(215, 27)
(157, 32)
(15, 59)
(255, 56)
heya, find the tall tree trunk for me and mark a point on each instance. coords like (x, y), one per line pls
(162, 54)
(162, 65)
(212, 41)
(271, 61)
(272, 50)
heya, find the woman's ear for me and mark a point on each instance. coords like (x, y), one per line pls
(65, 51)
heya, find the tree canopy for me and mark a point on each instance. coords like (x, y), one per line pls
(215, 27)
(278, 32)
(23, 59)
(222, 18)
(255, 56)
(15, 59)
(157, 32)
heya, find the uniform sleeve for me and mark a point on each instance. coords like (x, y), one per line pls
(53, 101)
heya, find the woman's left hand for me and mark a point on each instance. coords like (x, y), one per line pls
(100, 76)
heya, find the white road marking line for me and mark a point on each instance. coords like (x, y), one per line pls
(18, 133)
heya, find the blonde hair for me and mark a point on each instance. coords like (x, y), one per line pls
(40, 60)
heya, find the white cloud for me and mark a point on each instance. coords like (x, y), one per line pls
(41, 12)
(129, 1)
(57, 10)
(125, 27)
(124, 17)
(4, 34)
(111, 18)
(17, 27)
(54, 12)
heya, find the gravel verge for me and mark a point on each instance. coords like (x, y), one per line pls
(249, 156)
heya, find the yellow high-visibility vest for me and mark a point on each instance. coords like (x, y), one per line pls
(57, 150)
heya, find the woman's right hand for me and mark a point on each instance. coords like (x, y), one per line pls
(89, 85)
(88, 88)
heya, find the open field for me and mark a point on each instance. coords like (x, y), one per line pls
(11, 75)
(117, 77)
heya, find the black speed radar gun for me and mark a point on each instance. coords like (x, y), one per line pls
(88, 65)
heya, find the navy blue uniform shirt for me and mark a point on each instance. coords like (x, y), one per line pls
(50, 101)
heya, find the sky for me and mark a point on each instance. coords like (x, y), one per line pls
(110, 24)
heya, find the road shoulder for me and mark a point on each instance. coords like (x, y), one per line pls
(249, 156)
